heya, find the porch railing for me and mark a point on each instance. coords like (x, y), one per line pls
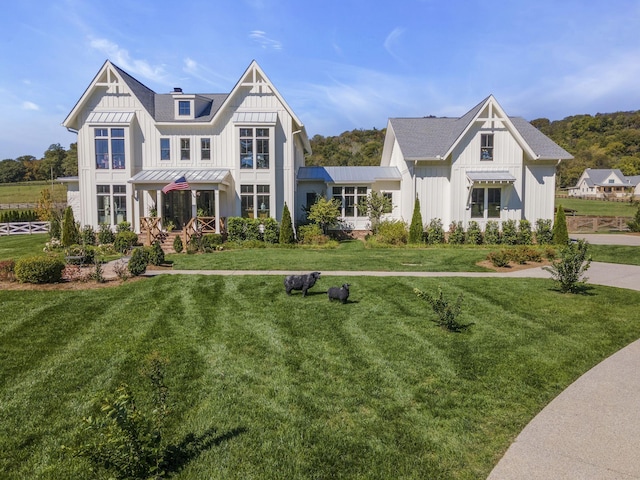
(200, 225)
(151, 226)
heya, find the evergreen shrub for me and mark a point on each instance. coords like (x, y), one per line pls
(286, 229)
(392, 232)
(435, 232)
(177, 244)
(456, 233)
(138, 261)
(544, 231)
(124, 241)
(492, 233)
(416, 229)
(270, 230)
(525, 237)
(39, 269)
(474, 234)
(509, 232)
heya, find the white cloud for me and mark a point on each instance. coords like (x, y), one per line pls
(121, 57)
(265, 42)
(30, 106)
(392, 40)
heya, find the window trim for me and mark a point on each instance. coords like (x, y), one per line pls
(202, 149)
(255, 147)
(110, 137)
(349, 201)
(185, 141)
(487, 144)
(256, 194)
(487, 207)
(163, 149)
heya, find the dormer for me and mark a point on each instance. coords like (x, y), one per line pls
(184, 107)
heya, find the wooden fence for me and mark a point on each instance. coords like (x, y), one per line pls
(23, 228)
(582, 224)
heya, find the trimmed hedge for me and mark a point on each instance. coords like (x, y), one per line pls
(39, 269)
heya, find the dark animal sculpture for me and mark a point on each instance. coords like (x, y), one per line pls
(341, 293)
(301, 282)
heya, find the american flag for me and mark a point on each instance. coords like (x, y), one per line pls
(177, 184)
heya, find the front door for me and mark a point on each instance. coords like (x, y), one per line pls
(177, 208)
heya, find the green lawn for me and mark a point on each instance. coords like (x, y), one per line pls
(598, 207)
(29, 192)
(615, 254)
(16, 246)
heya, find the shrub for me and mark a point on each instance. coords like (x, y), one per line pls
(88, 235)
(7, 270)
(55, 227)
(509, 232)
(312, 235)
(392, 232)
(560, 233)
(568, 270)
(156, 254)
(236, 229)
(474, 234)
(80, 254)
(124, 241)
(435, 232)
(446, 311)
(138, 262)
(544, 232)
(39, 269)
(70, 233)
(492, 233)
(98, 273)
(416, 229)
(121, 270)
(105, 234)
(634, 225)
(210, 242)
(123, 227)
(286, 229)
(525, 237)
(524, 253)
(252, 229)
(456, 233)
(177, 244)
(270, 230)
(499, 258)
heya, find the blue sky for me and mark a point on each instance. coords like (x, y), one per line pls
(339, 64)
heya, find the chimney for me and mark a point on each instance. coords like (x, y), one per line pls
(177, 90)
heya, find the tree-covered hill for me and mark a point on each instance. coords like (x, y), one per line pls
(357, 147)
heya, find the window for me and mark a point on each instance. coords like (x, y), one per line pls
(312, 198)
(486, 146)
(109, 145)
(184, 108)
(185, 149)
(349, 198)
(258, 145)
(485, 202)
(205, 149)
(256, 201)
(165, 149)
(112, 204)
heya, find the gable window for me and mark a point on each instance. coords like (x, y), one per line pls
(205, 149)
(184, 108)
(349, 198)
(254, 148)
(486, 202)
(486, 146)
(110, 148)
(165, 149)
(185, 149)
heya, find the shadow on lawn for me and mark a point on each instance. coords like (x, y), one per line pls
(179, 455)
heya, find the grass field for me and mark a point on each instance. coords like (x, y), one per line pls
(598, 207)
(289, 387)
(29, 192)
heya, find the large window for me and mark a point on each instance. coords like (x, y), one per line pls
(112, 204)
(205, 149)
(185, 149)
(486, 146)
(165, 149)
(254, 148)
(110, 149)
(485, 202)
(256, 201)
(349, 198)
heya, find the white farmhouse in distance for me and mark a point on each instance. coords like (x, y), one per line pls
(243, 154)
(605, 183)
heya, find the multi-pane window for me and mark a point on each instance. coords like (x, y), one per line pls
(254, 148)
(205, 149)
(184, 108)
(349, 198)
(185, 149)
(165, 149)
(255, 200)
(109, 145)
(486, 146)
(485, 202)
(112, 204)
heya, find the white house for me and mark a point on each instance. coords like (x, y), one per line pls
(243, 154)
(605, 183)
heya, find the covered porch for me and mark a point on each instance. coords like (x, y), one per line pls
(196, 206)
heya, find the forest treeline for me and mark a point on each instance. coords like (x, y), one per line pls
(604, 140)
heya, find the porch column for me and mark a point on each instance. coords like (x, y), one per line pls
(194, 203)
(160, 206)
(216, 196)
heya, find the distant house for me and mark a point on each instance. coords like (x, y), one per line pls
(243, 154)
(605, 183)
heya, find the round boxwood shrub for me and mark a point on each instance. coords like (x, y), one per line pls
(39, 269)
(124, 241)
(138, 262)
(177, 244)
(156, 254)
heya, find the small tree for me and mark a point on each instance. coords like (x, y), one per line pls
(44, 207)
(560, 233)
(374, 206)
(416, 230)
(325, 213)
(634, 225)
(446, 311)
(286, 229)
(569, 268)
(70, 233)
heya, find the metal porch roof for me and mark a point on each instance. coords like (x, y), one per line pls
(193, 176)
(491, 177)
(363, 175)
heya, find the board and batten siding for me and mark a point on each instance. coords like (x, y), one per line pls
(539, 189)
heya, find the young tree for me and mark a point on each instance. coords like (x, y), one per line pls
(569, 269)
(416, 230)
(44, 207)
(325, 213)
(375, 205)
(634, 225)
(70, 233)
(560, 233)
(286, 229)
